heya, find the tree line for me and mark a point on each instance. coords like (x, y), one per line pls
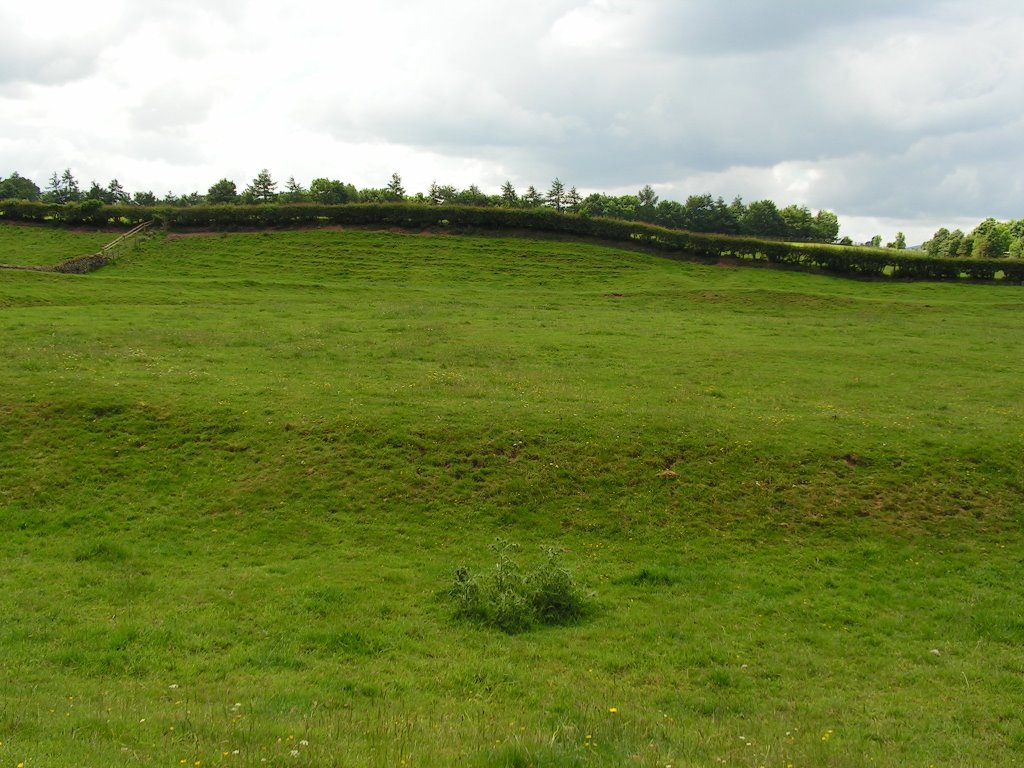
(699, 213)
(991, 239)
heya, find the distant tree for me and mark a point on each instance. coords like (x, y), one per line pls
(144, 198)
(646, 204)
(434, 193)
(293, 192)
(509, 197)
(224, 191)
(70, 185)
(845, 240)
(826, 227)
(701, 214)
(939, 245)
(117, 193)
(671, 214)
(556, 195)
(472, 195)
(965, 248)
(63, 189)
(192, 198)
(16, 187)
(799, 223)
(262, 189)
(1016, 230)
(951, 249)
(738, 211)
(376, 195)
(899, 244)
(98, 193)
(763, 220)
(598, 204)
(938, 241)
(395, 189)
(331, 192)
(573, 199)
(875, 241)
(532, 198)
(442, 194)
(991, 239)
(170, 199)
(723, 219)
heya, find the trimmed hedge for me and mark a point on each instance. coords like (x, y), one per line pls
(837, 259)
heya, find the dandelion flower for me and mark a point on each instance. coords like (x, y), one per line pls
(613, 710)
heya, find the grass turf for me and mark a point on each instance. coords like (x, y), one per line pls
(237, 472)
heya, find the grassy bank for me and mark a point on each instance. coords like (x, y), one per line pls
(37, 246)
(237, 472)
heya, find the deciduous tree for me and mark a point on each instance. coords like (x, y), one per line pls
(991, 239)
(799, 222)
(16, 187)
(224, 191)
(472, 195)
(899, 243)
(763, 220)
(826, 227)
(331, 192)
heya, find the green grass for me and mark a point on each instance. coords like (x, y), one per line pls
(26, 245)
(237, 472)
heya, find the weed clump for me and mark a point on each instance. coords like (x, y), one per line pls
(516, 599)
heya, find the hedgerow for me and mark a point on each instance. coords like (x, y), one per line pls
(837, 259)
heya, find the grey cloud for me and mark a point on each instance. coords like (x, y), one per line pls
(44, 64)
(946, 177)
(712, 27)
(171, 107)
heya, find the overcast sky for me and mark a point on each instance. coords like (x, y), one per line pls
(895, 114)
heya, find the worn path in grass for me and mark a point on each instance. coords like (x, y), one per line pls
(236, 473)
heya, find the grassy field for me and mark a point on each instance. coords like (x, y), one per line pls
(238, 471)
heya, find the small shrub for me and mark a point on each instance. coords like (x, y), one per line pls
(514, 599)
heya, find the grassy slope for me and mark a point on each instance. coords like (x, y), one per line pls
(245, 466)
(26, 245)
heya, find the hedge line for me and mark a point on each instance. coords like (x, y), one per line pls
(845, 260)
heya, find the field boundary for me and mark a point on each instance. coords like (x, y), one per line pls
(841, 260)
